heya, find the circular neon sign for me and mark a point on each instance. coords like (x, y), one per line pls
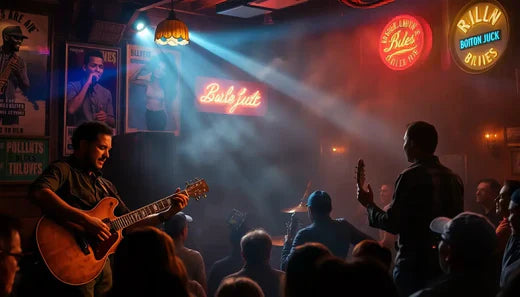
(479, 36)
(404, 41)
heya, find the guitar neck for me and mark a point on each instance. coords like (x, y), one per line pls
(140, 214)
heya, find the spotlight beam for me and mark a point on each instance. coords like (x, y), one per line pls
(326, 106)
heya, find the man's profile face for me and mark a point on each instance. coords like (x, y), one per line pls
(407, 147)
(95, 153)
(9, 264)
(13, 42)
(502, 201)
(484, 193)
(95, 66)
(444, 254)
(514, 217)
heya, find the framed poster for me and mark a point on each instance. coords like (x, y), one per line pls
(91, 88)
(513, 136)
(23, 159)
(24, 79)
(152, 90)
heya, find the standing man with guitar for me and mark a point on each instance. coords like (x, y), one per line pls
(423, 191)
(13, 71)
(67, 188)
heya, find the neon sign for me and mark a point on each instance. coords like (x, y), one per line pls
(404, 41)
(479, 36)
(230, 97)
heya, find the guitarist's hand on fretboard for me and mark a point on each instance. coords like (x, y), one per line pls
(179, 202)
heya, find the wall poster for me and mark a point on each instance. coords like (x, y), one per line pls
(91, 88)
(24, 80)
(152, 90)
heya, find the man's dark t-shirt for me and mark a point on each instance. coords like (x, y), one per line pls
(76, 186)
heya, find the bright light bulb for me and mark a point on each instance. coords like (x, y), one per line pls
(140, 26)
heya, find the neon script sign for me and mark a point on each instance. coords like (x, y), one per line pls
(479, 36)
(231, 97)
(404, 41)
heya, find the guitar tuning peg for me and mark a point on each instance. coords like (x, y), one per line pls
(205, 196)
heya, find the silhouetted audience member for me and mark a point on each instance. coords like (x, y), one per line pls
(256, 250)
(356, 278)
(302, 269)
(177, 228)
(10, 253)
(231, 263)
(423, 191)
(373, 251)
(337, 235)
(145, 264)
(239, 287)
(512, 288)
(387, 239)
(487, 191)
(502, 208)
(511, 260)
(467, 255)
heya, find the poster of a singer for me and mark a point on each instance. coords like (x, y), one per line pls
(24, 84)
(91, 87)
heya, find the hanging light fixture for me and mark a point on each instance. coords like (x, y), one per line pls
(172, 31)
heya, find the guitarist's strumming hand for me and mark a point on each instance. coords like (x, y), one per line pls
(179, 202)
(366, 198)
(96, 228)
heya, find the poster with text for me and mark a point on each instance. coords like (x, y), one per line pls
(91, 88)
(24, 80)
(152, 90)
(22, 159)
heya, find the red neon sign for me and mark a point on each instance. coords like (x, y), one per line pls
(404, 41)
(231, 97)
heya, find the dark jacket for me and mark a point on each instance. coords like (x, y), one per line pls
(337, 235)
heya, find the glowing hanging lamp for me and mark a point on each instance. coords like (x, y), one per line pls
(172, 31)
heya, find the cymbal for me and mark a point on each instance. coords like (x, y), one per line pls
(278, 240)
(298, 208)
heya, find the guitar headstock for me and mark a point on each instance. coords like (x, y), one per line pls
(197, 188)
(360, 173)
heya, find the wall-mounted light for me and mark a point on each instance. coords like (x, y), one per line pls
(491, 139)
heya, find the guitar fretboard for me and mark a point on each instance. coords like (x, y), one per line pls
(140, 214)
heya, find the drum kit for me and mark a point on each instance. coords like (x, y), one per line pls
(294, 223)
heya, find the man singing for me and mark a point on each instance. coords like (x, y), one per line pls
(87, 100)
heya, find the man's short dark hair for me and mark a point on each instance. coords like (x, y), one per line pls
(423, 135)
(7, 226)
(493, 184)
(89, 131)
(256, 246)
(92, 53)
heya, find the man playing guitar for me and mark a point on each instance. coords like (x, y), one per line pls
(69, 186)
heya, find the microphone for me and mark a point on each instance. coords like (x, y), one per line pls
(92, 84)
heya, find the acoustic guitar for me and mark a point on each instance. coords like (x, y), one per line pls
(76, 260)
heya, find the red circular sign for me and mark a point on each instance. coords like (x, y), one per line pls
(404, 41)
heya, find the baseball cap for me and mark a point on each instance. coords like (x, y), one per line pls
(319, 200)
(13, 31)
(515, 198)
(470, 233)
(176, 224)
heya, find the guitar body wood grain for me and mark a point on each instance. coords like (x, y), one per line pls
(62, 253)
